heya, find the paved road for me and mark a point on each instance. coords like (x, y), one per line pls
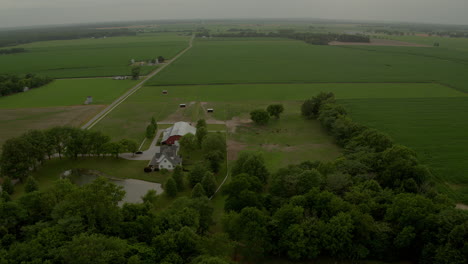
(122, 98)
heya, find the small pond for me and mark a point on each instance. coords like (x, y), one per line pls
(134, 189)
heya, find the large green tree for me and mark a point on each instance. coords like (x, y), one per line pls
(260, 116)
(178, 175)
(94, 248)
(252, 164)
(15, 158)
(196, 174)
(275, 110)
(171, 187)
(209, 184)
(136, 72)
(31, 185)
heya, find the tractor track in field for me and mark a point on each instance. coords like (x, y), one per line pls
(93, 121)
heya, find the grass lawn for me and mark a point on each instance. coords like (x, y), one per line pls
(289, 140)
(69, 92)
(92, 57)
(435, 127)
(214, 61)
(118, 168)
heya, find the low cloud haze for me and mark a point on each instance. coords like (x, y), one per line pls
(14, 13)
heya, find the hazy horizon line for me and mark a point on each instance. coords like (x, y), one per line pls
(304, 19)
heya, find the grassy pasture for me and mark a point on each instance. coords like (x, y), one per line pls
(289, 140)
(91, 57)
(130, 119)
(14, 122)
(68, 92)
(435, 127)
(275, 61)
(234, 102)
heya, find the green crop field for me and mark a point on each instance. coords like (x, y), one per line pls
(277, 61)
(68, 92)
(459, 44)
(435, 127)
(92, 57)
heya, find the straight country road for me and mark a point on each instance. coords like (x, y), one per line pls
(122, 98)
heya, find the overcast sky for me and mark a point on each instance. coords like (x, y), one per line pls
(15, 13)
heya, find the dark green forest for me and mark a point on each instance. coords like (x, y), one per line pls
(374, 202)
(311, 38)
(11, 51)
(22, 36)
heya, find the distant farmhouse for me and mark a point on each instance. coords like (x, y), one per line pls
(89, 100)
(175, 132)
(167, 158)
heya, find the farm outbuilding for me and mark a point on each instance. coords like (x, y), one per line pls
(175, 132)
(89, 100)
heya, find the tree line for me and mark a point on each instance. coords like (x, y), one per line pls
(71, 224)
(201, 178)
(11, 84)
(23, 36)
(311, 38)
(374, 202)
(262, 117)
(11, 51)
(21, 155)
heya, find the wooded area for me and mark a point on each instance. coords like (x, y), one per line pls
(311, 38)
(11, 84)
(17, 37)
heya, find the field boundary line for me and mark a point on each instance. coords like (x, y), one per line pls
(298, 83)
(122, 98)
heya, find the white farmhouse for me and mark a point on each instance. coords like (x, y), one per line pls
(167, 158)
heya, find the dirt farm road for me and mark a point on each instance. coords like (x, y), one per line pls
(93, 121)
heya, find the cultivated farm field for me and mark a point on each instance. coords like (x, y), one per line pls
(14, 122)
(92, 57)
(219, 61)
(56, 104)
(69, 92)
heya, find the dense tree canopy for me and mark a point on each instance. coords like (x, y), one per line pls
(11, 84)
(27, 152)
(260, 116)
(70, 224)
(275, 110)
